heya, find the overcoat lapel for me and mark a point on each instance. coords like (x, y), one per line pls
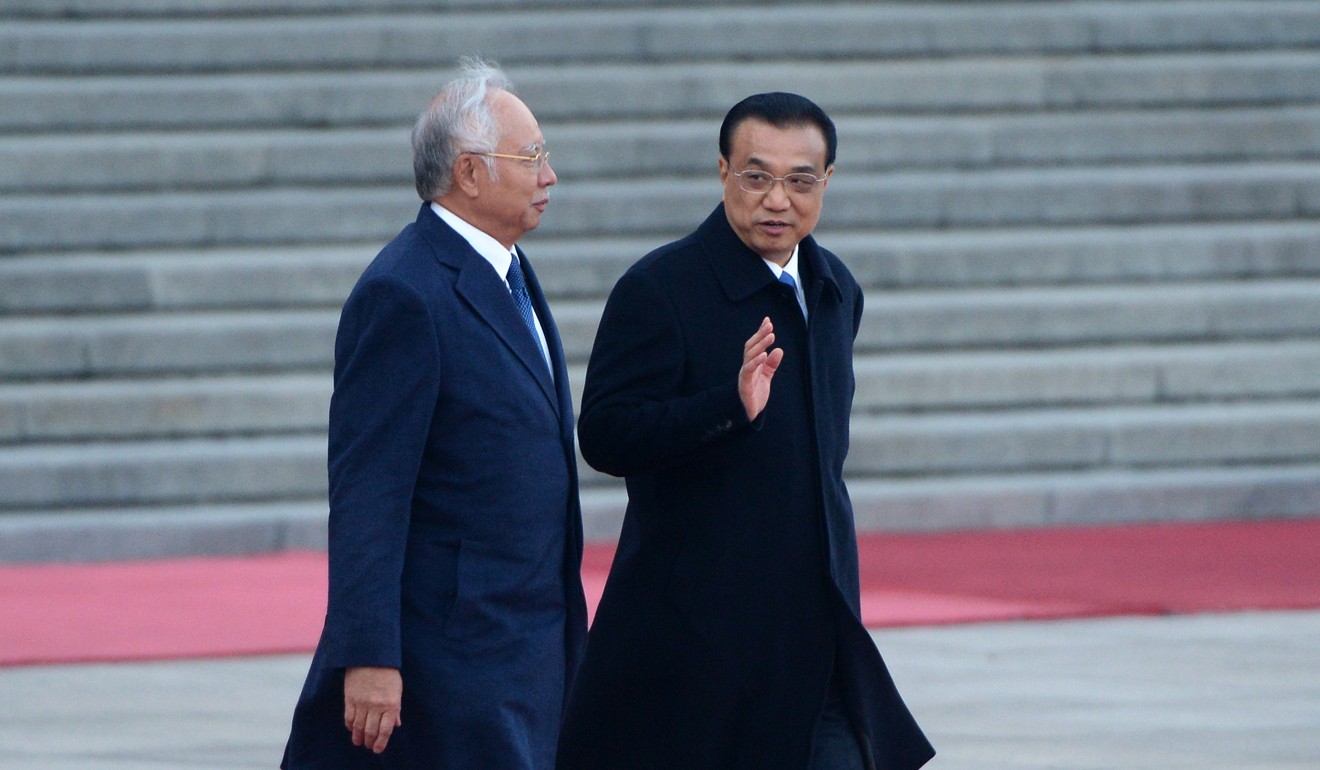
(742, 272)
(484, 292)
(820, 276)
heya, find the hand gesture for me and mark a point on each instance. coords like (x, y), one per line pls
(759, 365)
(373, 698)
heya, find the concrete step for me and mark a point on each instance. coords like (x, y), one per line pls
(1078, 255)
(1057, 317)
(655, 91)
(102, 410)
(587, 268)
(1107, 195)
(105, 534)
(669, 208)
(134, 9)
(270, 277)
(553, 35)
(192, 471)
(1054, 317)
(188, 160)
(204, 219)
(1077, 438)
(138, 345)
(1088, 376)
(137, 161)
(1110, 496)
(1064, 316)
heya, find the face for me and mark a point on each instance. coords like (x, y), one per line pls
(772, 223)
(512, 204)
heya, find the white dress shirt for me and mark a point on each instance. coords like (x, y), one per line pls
(791, 267)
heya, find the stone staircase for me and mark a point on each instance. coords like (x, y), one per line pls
(1090, 234)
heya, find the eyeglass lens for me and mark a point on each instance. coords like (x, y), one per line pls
(760, 181)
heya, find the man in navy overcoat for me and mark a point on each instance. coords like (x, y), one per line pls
(456, 615)
(719, 387)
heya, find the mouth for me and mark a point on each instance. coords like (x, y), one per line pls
(773, 226)
(541, 204)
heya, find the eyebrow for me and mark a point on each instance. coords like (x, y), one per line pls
(805, 168)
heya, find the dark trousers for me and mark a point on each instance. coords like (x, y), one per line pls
(835, 746)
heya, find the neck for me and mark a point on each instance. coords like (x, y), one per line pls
(458, 205)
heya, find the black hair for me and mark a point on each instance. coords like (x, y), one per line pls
(781, 110)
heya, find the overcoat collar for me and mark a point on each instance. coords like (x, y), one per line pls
(742, 272)
(488, 296)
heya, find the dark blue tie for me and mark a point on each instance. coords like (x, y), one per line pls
(518, 289)
(788, 281)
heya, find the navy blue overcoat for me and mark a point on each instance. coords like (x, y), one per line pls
(455, 528)
(734, 592)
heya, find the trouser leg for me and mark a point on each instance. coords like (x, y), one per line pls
(835, 746)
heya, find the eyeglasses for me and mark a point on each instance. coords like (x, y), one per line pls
(759, 182)
(535, 162)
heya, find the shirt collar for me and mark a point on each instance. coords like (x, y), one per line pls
(490, 249)
(790, 267)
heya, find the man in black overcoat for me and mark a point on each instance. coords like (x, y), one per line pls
(720, 388)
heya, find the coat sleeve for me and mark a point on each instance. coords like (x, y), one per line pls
(859, 302)
(635, 418)
(387, 377)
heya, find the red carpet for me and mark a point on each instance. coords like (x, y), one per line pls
(1149, 569)
(183, 608)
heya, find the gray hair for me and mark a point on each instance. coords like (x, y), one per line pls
(458, 120)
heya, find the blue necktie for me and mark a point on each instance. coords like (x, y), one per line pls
(518, 289)
(788, 281)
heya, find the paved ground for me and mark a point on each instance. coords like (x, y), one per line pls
(1237, 691)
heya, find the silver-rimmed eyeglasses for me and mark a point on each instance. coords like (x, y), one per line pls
(535, 162)
(759, 182)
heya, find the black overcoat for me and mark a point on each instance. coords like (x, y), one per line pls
(734, 591)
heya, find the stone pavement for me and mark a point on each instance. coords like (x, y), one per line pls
(1208, 691)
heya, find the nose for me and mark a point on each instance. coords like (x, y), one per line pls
(776, 198)
(547, 177)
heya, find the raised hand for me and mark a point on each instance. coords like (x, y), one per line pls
(759, 366)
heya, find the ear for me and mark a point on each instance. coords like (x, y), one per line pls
(465, 175)
(724, 170)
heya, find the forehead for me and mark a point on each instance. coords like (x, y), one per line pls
(797, 146)
(517, 124)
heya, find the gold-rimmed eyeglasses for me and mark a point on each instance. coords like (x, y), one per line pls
(760, 182)
(535, 162)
